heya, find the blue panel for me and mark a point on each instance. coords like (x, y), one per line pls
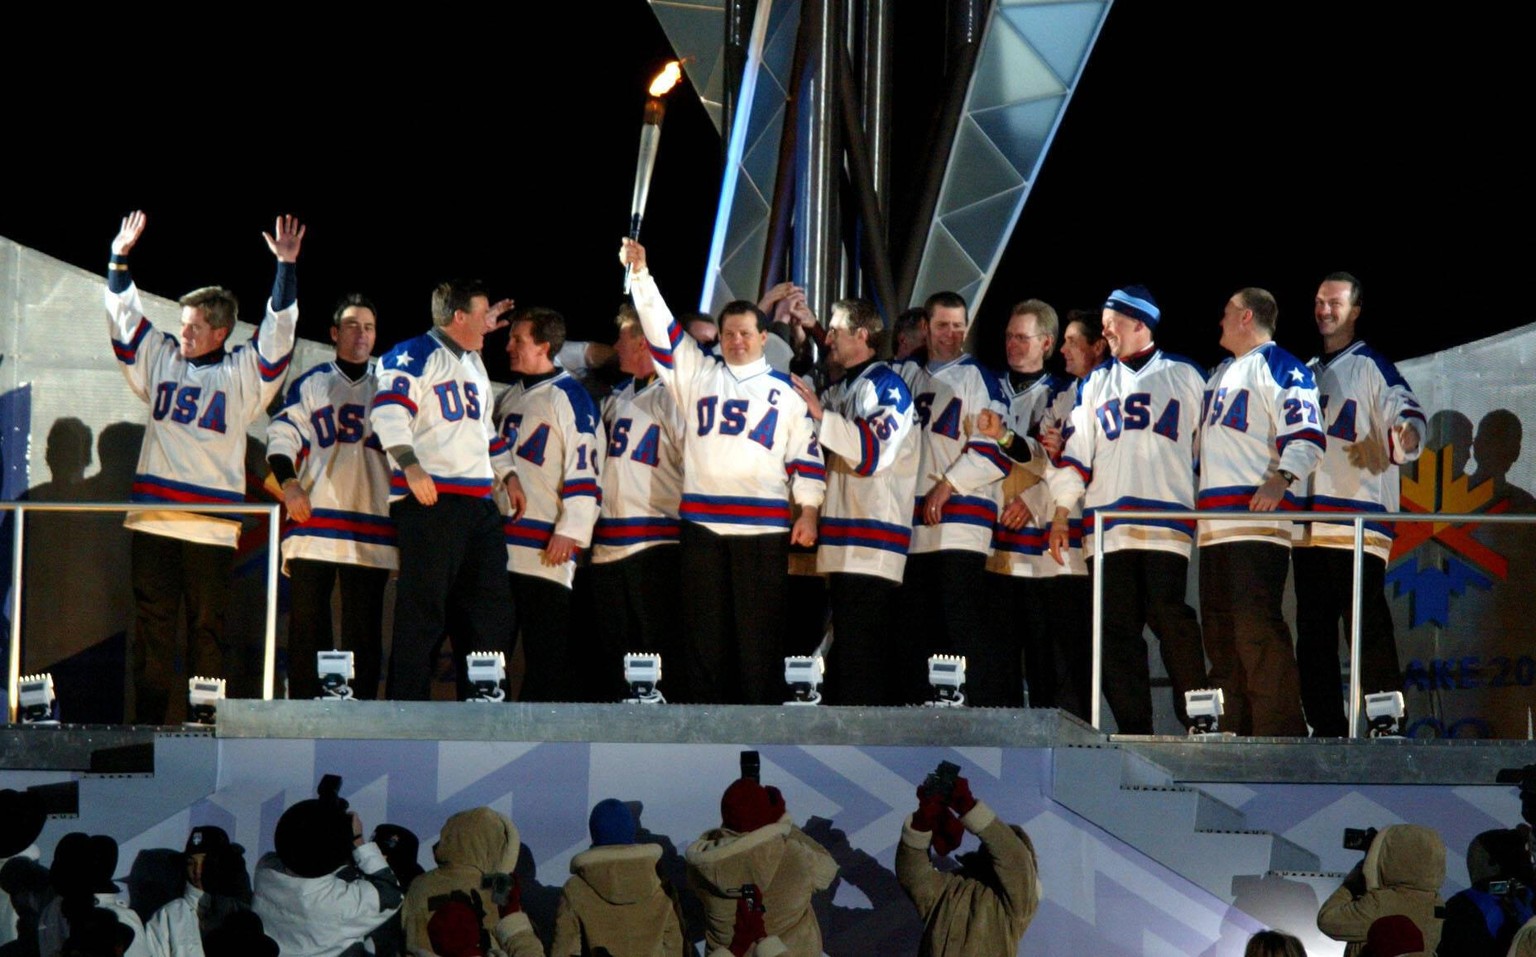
(1009, 70)
(1023, 130)
(983, 228)
(764, 128)
(976, 171)
(945, 266)
(779, 47)
(1060, 32)
(742, 271)
(696, 33)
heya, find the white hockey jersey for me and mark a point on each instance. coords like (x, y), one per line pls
(551, 425)
(1130, 443)
(439, 403)
(324, 429)
(642, 477)
(947, 397)
(1261, 413)
(872, 452)
(748, 440)
(1363, 398)
(1025, 552)
(194, 445)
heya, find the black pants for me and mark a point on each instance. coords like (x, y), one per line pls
(454, 554)
(1247, 639)
(544, 623)
(635, 609)
(861, 669)
(1012, 647)
(1324, 577)
(1145, 588)
(733, 615)
(169, 574)
(309, 623)
(942, 608)
(1070, 600)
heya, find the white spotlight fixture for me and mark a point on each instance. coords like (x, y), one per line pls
(1205, 706)
(642, 672)
(487, 675)
(336, 673)
(1384, 714)
(203, 697)
(803, 674)
(946, 675)
(35, 701)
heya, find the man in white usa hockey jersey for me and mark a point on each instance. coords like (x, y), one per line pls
(550, 423)
(1374, 425)
(1130, 443)
(748, 445)
(866, 525)
(1020, 569)
(956, 498)
(335, 487)
(201, 397)
(1261, 433)
(432, 413)
(635, 544)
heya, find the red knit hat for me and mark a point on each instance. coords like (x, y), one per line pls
(1393, 936)
(747, 806)
(454, 930)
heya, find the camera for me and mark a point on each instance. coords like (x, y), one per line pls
(753, 897)
(941, 780)
(500, 885)
(752, 766)
(329, 792)
(1359, 839)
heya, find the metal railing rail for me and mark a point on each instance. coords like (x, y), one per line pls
(18, 542)
(1357, 519)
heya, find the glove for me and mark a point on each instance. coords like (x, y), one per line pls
(949, 832)
(749, 928)
(1369, 455)
(960, 798)
(930, 807)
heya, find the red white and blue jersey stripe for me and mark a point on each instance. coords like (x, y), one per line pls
(324, 429)
(867, 432)
(1262, 413)
(748, 442)
(437, 400)
(1025, 552)
(947, 396)
(552, 427)
(642, 476)
(1364, 399)
(1130, 443)
(194, 443)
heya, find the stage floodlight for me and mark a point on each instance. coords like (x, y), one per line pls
(803, 674)
(35, 701)
(487, 675)
(336, 673)
(1205, 706)
(203, 697)
(642, 672)
(1384, 714)
(946, 675)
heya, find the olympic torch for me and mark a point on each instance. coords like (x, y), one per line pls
(650, 138)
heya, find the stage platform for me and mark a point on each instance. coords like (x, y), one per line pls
(1148, 845)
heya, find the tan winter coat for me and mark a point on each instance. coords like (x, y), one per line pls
(1401, 874)
(963, 917)
(615, 900)
(787, 868)
(472, 844)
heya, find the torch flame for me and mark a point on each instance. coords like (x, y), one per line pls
(667, 78)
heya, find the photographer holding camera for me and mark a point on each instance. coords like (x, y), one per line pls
(983, 908)
(324, 890)
(1501, 865)
(757, 846)
(476, 854)
(1401, 873)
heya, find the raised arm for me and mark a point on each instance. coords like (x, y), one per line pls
(133, 338)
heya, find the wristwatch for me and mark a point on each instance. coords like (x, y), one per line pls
(1289, 476)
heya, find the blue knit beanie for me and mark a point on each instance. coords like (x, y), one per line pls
(611, 823)
(1136, 302)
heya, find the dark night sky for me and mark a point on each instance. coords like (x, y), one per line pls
(1260, 144)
